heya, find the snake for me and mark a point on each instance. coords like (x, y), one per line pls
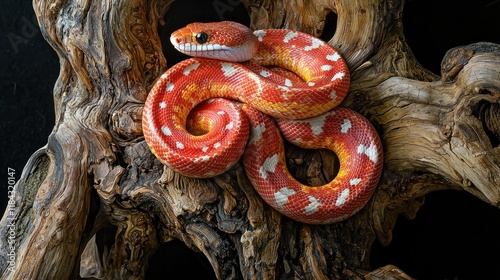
(241, 94)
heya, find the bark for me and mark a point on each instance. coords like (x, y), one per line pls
(94, 202)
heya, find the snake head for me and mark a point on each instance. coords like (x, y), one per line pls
(226, 40)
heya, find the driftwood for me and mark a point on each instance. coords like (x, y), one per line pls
(95, 203)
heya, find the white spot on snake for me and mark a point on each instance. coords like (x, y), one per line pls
(311, 84)
(333, 95)
(190, 68)
(269, 165)
(316, 43)
(338, 75)
(265, 74)
(355, 181)
(299, 140)
(166, 131)
(260, 34)
(230, 126)
(163, 76)
(256, 133)
(326, 67)
(313, 205)
(163, 105)
(169, 87)
(333, 57)
(179, 145)
(371, 151)
(346, 125)
(228, 69)
(281, 196)
(317, 124)
(288, 83)
(342, 198)
(221, 113)
(284, 88)
(217, 145)
(204, 149)
(289, 36)
(202, 159)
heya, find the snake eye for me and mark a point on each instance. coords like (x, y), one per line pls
(201, 38)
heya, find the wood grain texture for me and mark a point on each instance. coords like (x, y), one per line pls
(94, 202)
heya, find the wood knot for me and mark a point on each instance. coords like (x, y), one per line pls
(453, 61)
(456, 58)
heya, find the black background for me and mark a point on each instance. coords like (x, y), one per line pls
(454, 236)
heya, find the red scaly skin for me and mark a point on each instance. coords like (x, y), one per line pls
(206, 140)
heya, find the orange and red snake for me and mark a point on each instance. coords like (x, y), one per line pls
(234, 99)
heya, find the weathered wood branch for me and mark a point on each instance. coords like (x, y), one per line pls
(96, 203)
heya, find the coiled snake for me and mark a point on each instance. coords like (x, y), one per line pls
(238, 88)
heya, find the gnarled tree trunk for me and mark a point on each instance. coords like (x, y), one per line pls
(94, 202)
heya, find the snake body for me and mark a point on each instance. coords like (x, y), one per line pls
(205, 111)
